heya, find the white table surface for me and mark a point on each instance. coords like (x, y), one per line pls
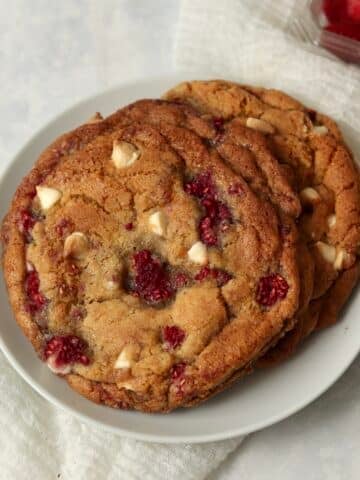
(53, 53)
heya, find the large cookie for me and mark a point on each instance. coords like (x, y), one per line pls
(141, 267)
(310, 146)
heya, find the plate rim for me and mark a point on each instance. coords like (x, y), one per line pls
(174, 77)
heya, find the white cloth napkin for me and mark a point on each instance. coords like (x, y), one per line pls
(233, 38)
(39, 441)
(246, 40)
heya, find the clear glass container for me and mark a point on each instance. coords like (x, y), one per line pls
(310, 23)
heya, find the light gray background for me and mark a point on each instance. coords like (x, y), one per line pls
(54, 53)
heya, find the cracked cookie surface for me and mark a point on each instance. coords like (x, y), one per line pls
(310, 148)
(141, 267)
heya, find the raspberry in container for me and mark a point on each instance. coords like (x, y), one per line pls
(332, 25)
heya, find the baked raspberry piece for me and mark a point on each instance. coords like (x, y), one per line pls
(152, 282)
(201, 186)
(177, 371)
(180, 280)
(26, 223)
(35, 299)
(272, 288)
(220, 276)
(66, 350)
(217, 215)
(173, 336)
(64, 227)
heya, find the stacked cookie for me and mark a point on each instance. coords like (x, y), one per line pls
(155, 256)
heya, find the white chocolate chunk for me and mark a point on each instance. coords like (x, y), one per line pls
(343, 259)
(331, 220)
(29, 267)
(259, 125)
(76, 245)
(198, 253)
(124, 154)
(111, 285)
(328, 252)
(63, 370)
(47, 196)
(309, 194)
(126, 357)
(158, 223)
(126, 385)
(320, 130)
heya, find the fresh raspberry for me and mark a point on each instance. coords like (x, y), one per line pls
(66, 349)
(26, 223)
(271, 289)
(173, 337)
(350, 30)
(35, 299)
(220, 276)
(151, 280)
(353, 10)
(335, 10)
(128, 226)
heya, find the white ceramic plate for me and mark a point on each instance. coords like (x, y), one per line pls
(256, 402)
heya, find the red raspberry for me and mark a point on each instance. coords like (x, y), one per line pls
(271, 289)
(128, 226)
(335, 10)
(64, 226)
(207, 232)
(151, 280)
(67, 349)
(346, 29)
(180, 280)
(353, 10)
(201, 186)
(173, 337)
(26, 223)
(177, 371)
(36, 300)
(220, 276)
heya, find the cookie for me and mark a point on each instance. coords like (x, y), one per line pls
(141, 267)
(310, 147)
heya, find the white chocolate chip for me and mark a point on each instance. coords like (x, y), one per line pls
(328, 252)
(126, 385)
(126, 357)
(47, 196)
(309, 195)
(320, 130)
(259, 125)
(198, 253)
(112, 285)
(331, 220)
(29, 267)
(158, 223)
(124, 154)
(75, 245)
(343, 259)
(63, 370)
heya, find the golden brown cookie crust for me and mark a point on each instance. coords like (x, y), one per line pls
(86, 280)
(311, 148)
